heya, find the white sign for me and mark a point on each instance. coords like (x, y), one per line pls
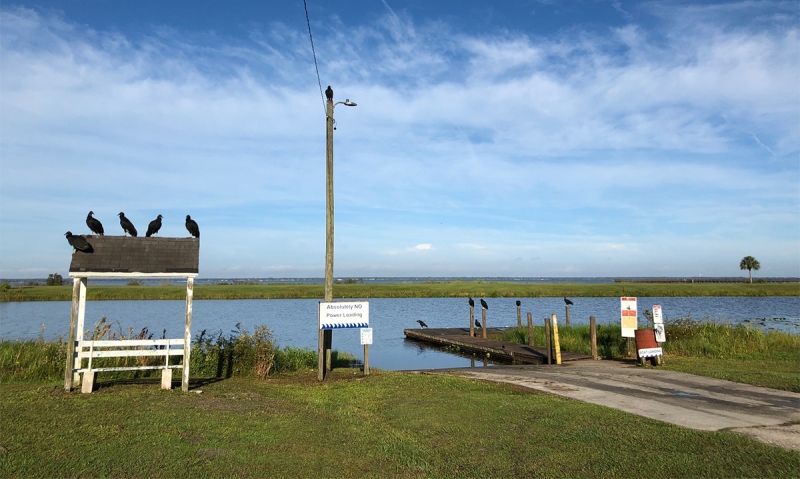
(657, 318)
(661, 336)
(366, 335)
(628, 317)
(649, 352)
(343, 314)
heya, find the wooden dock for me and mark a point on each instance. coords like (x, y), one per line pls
(502, 351)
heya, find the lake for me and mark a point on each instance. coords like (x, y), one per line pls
(294, 321)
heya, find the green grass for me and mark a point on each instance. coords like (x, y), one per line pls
(383, 425)
(404, 290)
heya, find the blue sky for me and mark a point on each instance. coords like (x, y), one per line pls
(507, 138)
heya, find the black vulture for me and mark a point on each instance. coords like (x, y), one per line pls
(127, 226)
(567, 301)
(191, 225)
(471, 303)
(519, 303)
(422, 323)
(94, 225)
(78, 243)
(329, 93)
(483, 303)
(477, 323)
(154, 226)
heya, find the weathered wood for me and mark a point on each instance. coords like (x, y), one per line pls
(548, 340)
(567, 316)
(187, 335)
(483, 320)
(166, 379)
(472, 321)
(366, 360)
(71, 343)
(519, 318)
(530, 329)
(328, 340)
(498, 350)
(321, 355)
(556, 343)
(593, 333)
(88, 382)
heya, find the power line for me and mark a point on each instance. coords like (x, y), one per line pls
(314, 53)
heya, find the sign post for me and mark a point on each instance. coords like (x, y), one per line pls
(658, 324)
(344, 315)
(366, 340)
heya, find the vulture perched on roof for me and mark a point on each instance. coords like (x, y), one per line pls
(78, 243)
(127, 226)
(154, 226)
(191, 226)
(94, 225)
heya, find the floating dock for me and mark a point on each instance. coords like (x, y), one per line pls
(513, 353)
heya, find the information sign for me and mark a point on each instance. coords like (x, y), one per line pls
(366, 335)
(628, 317)
(658, 324)
(343, 314)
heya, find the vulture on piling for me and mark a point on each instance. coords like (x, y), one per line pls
(568, 301)
(78, 243)
(519, 303)
(191, 226)
(422, 323)
(471, 303)
(483, 303)
(94, 225)
(127, 226)
(154, 226)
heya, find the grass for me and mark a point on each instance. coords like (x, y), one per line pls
(736, 353)
(403, 290)
(383, 425)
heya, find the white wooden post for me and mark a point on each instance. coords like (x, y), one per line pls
(187, 334)
(79, 334)
(73, 323)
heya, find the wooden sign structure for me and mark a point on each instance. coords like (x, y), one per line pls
(129, 257)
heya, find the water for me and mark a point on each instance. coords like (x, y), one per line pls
(294, 321)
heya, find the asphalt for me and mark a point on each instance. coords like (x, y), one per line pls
(696, 402)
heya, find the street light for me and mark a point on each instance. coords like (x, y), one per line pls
(325, 336)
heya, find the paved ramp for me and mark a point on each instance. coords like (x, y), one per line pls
(684, 399)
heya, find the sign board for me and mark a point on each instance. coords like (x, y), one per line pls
(366, 335)
(649, 352)
(658, 324)
(343, 314)
(628, 318)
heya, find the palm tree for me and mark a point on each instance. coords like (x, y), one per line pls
(749, 263)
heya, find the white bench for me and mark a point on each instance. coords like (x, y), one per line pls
(90, 350)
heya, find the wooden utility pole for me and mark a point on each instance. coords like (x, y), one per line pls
(326, 335)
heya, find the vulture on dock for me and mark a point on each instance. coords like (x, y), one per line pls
(154, 226)
(94, 225)
(78, 243)
(191, 226)
(478, 324)
(127, 226)
(422, 323)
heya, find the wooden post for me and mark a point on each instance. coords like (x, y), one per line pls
(328, 350)
(321, 355)
(483, 317)
(547, 340)
(471, 321)
(519, 318)
(73, 324)
(567, 316)
(530, 329)
(593, 333)
(556, 344)
(81, 329)
(366, 360)
(187, 335)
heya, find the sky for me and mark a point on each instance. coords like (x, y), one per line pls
(506, 138)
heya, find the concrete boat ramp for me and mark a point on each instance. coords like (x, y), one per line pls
(769, 415)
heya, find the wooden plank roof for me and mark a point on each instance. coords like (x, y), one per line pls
(129, 256)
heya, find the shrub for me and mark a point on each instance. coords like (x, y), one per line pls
(54, 279)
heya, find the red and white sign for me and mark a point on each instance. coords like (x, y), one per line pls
(628, 319)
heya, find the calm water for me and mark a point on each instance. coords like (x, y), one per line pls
(294, 322)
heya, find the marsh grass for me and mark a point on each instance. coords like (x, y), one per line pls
(448, 289)
(240, 353)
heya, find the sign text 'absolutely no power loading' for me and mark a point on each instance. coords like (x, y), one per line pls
(344, 314)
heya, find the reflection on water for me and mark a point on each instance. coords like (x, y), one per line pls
(294, 321)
